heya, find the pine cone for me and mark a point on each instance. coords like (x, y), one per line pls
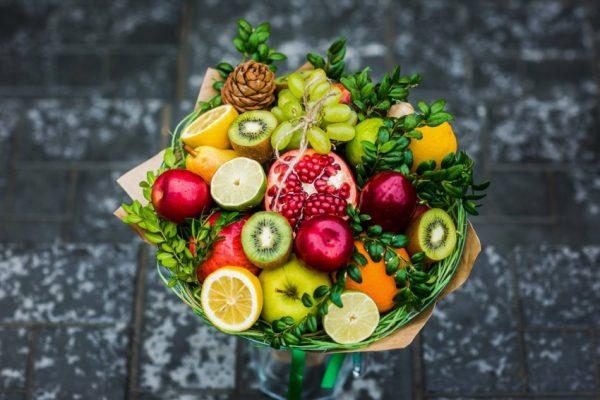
(251, 86)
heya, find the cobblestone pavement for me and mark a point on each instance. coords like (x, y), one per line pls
(89, 89)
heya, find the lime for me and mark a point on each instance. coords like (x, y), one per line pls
(354, 322)
(239, 184)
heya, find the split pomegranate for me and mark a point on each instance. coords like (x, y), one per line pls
(319, 184)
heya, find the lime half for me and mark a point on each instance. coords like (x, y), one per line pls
(239, 184)
(354, 322)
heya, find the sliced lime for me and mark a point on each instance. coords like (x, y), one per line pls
(239, 184)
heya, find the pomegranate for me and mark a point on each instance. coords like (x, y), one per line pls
(318, 184)
(390, 199)
(324, 242)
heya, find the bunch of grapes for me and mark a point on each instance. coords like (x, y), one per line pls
(312, 103)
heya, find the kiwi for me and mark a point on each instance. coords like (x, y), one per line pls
(267, 239)
(432, 233)
(250, 134)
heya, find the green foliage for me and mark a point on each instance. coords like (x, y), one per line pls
(451, 183)
(373, 99)
(334, 65)
(390, 151)
(252, 43)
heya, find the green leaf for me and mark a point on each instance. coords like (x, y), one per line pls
(321, 291)
(307, 300)
(277, 56)
(153, 237)
(354, 273)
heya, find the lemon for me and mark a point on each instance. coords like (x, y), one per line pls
(232, 299)
(354, 322)
(436, 143)
(239, 184)
(210, 128)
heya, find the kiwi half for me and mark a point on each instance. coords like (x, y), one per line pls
(432, 233)
(267, 239)
(250, 134)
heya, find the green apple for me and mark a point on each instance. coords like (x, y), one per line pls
(366, 130)
(284, 286)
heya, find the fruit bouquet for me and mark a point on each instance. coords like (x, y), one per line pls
(315, 210)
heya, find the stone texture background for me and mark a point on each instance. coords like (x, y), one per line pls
(89, 89)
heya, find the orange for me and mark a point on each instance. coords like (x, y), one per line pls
(436, 143)
(375, 282)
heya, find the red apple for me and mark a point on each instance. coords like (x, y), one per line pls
(419, 209)
(178, 194)
(345, 93)
(390, 199)
(227, 251)
(324, 242)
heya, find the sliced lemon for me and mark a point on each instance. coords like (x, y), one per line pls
(210, 128)
(354, 322)
(239, 184)
(232, 299)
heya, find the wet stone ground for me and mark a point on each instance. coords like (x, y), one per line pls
(89, 89)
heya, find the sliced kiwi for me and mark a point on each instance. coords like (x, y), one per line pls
(267, 239)
(250, 134)
(432, 233)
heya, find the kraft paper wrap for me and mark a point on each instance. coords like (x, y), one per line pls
(399, 339)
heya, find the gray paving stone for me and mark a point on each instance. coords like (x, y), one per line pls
(178, 350)
(13, 358)
(97, 196)
(532, 30)
(533, 130)
(39, 192)
(518, 194)
(559, 285)
(560, 362)
(29, 232)
(438, 54)
(78, 363)
(388, 375)
(470, 344)
(142, 75)
(94, 129)
(71, 22)
(72, 283)
(79, 69)
(296, 30)
(510, 234)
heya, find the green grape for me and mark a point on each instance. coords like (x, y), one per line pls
(317, 75)
(336, 113)
(341, 132)
(333, 96)
(353, 119)
(318, 140)
(282, 135)
(318, 90)
(295, 140)
(304, 74)
(292, 109)
(284, 97)
(296, 85)
(278, 113)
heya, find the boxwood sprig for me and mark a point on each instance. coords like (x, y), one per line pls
(373, 99)
(334, 63)
(390, 150)
(451, 182)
